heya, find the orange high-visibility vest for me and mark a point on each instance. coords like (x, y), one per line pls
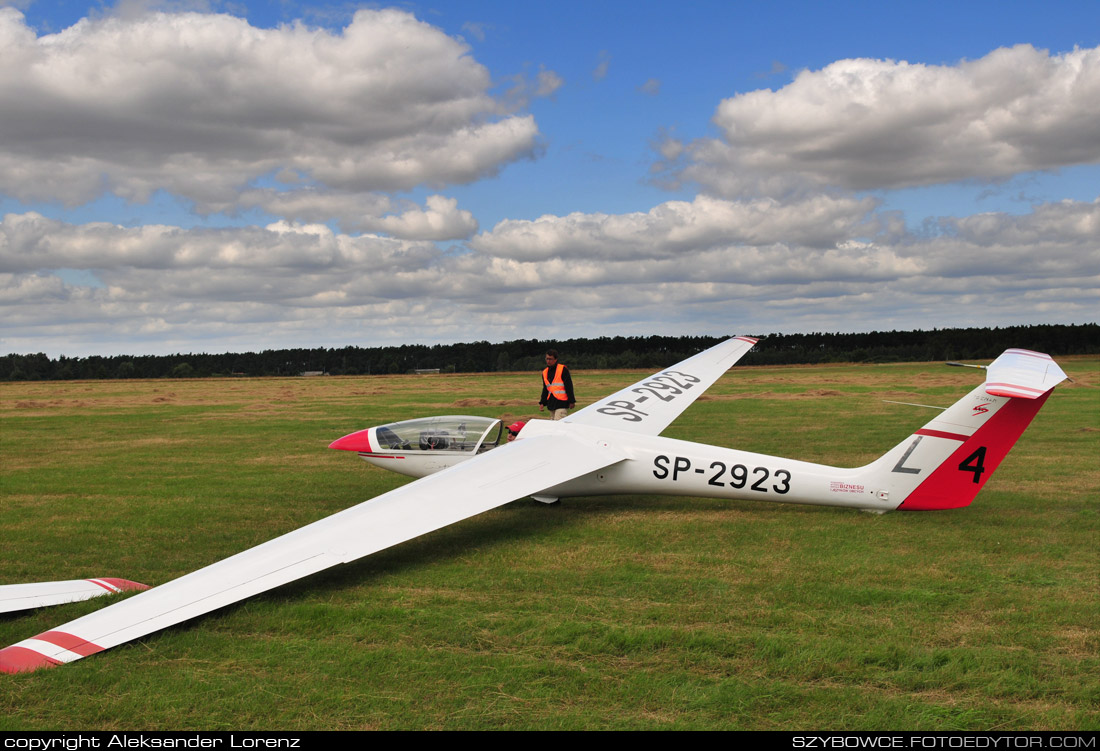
(555, 388)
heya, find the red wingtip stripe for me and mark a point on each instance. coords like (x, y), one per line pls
(105, 583)
(122, 585)
(23, 660)
(75, 644)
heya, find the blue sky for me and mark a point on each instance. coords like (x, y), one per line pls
(516, 170)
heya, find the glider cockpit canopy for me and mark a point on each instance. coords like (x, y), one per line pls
(425, 445)
(463, 433)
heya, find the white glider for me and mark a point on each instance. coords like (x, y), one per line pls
(609, 447)
(42, 594)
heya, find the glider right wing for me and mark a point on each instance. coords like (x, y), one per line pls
(651, 404)
(492, 479)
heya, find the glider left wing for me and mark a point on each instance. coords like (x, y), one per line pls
(42, 594)
(651, 404)
(493, 479)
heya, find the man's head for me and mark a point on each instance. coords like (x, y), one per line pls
(551, 357)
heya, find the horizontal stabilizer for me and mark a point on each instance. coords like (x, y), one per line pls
(1022, 373)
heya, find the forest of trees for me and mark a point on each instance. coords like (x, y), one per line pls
(580, 354)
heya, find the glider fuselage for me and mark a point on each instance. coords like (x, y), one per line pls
(656, 465)
(669, 466)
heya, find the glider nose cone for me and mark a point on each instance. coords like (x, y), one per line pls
(358, 441)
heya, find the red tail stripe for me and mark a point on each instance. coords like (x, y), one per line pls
(23, 660)
(942, 434)
(82, 647)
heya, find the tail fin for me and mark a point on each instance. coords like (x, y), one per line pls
(945, 463)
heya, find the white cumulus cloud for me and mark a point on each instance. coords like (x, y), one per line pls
(675, 227)
(864, 124)
(201, 104)
(636, 273)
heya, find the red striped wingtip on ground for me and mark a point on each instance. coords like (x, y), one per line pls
(118, 585)
(25, 658)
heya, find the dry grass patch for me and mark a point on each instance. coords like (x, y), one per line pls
(492, 403)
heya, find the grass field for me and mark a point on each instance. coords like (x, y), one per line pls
(617, 612)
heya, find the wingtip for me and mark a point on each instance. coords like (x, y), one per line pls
(23, 660)
(122, 585)
(48, 649)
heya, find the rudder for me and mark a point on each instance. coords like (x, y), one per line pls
(947, 462)
(955, 482)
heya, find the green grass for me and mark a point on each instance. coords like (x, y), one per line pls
(617, 612)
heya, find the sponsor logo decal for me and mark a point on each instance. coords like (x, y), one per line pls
(845, 487)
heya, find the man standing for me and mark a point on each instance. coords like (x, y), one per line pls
(557, 387)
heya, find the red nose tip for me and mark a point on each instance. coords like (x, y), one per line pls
(358, 441)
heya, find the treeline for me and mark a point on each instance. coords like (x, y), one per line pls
(580, 354)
